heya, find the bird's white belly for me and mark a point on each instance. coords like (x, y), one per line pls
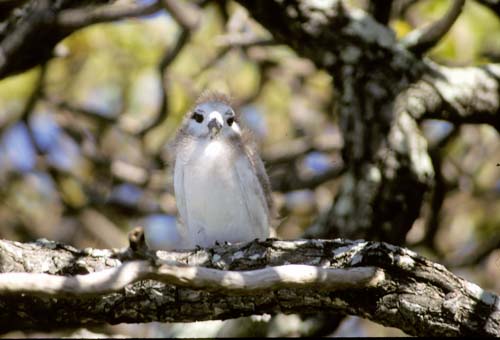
(217, 209)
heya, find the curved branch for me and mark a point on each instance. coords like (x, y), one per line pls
(227, 282)
(187, 17)
(466, 95)
(387, 284)
(168, 57)
(422, 40)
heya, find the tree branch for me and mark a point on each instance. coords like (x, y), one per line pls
(422, 40)
(467, 95)
(289, 151)
(73, 19)
(381, 10)
(46, 285)
(289, 180)
(187, 17)
(212, 280)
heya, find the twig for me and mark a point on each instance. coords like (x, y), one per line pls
(421, 40)
(244, 40)
(292, 181)
(291, 150)
(439, 191)
(220, 54)
(165, 62)
(188, 18)
(72, 19)
(186, 14)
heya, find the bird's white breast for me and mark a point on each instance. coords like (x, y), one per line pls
(223, 200)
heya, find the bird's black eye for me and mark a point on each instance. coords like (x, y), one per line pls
(230, 121)
(198, 117)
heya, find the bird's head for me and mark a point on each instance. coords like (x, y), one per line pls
(211, 118)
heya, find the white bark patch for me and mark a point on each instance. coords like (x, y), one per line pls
(199, 257)
(405, 262)
(256, 256)
(237, 255)
(374, 174)
(462, 86)
(480, 293)
(412, 307)
(287, 245)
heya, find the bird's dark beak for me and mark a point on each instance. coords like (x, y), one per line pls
(214, 126)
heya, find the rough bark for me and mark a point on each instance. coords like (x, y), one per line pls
(408, 292)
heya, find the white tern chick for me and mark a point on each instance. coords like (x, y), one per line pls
(221, 186)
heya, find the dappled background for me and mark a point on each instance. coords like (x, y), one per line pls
(83, 155)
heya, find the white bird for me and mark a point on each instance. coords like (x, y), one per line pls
(221, 186)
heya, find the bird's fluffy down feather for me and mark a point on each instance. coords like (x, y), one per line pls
(221, 187)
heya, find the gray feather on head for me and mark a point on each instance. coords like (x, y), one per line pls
(213, 96)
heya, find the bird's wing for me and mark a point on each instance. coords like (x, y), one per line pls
(260, 170)
(253, 196)
(180, 197)
(263, 180)
(178, 166)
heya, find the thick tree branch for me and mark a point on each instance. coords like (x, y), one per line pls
(467, 95)
(390, 285)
